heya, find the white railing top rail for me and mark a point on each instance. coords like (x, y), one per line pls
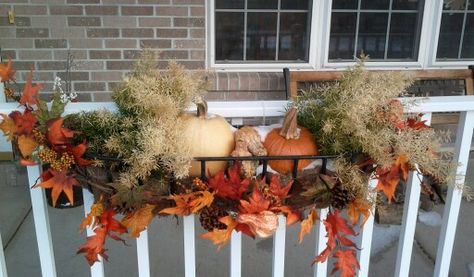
(244, 109)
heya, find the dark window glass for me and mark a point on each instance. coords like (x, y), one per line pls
(294, 35)
(450, 35)
(344, 4)
(295, 4)
(230, 4)
(468, 43)
(375, 4)
(262, 4)
(471, 4)
(407, 4)
(229, 36)
(343, 29)
(261, 36)
(402, 42)
(372, 34)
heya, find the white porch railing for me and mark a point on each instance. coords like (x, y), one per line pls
(462, 104)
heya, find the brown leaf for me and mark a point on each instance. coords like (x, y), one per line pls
(8, 127)
(358, 208)
(26, 145)
(138, 221)
(221, 237)
(203, 199)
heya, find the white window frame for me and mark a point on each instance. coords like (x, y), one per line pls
(318, 52)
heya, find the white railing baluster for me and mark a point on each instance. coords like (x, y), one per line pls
(365, 236)
(189, 246)
(320, 269)
(97, 270)
(42, 227)
(143, 255)
(236, 254)
(3, 265)
(410, 213)
(279, 248)
(453, 201)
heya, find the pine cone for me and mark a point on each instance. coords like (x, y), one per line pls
(340, 198)
(209, 217)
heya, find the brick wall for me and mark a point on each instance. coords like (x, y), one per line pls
(105, 36)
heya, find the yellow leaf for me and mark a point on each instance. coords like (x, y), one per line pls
(91, 219)
(307, 224)
(221, 237)
(358, 208)
(26, 145)
(8, 127)
(205, 200)
(139, 220)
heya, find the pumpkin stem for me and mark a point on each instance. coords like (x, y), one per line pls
(201, 108)
(289, 130)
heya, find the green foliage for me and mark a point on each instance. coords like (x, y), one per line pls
(44, 113)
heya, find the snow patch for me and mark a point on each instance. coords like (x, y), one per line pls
(383, 237)
(430, 218)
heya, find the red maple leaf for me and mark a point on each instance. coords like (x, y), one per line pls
(24, 122)
(94, 246)
(57, 134)
(78, 151)
(58, 181)
(389, 178)
(346, 262)
(256, 204)
(6, 72)
(231, 187)
(30, 93)
(416, 122)
(277, 189)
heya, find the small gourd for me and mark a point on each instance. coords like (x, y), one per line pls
(290, 140)
(208, 136)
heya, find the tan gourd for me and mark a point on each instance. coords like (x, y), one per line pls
(290, 140)
(208, 136)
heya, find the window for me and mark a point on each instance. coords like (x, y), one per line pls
(456, 36)
(250, 31)
(383, 29)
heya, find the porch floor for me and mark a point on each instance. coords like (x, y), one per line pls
(166, 245)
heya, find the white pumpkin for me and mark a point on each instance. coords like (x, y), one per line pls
(208, 135)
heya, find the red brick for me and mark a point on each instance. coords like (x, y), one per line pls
(189, 44)
(174, 54)
(188, 22)
(189, 2)
(83, 21)
(49, 65)
(25, 65)
(83, 1)
(102, 97)
(66, 10)
(171, 11)
(101, 10)
(119, 65)
(131, 54)
(197, 33)
(197, 11)
(102, 32)
(36, 54)
(120, 43)
(74, 76)
(154, 2)
(154, 22)
(19, 21)
(50, 43)
(198, 54)
(89, 86)
(171, 33)
(8, 54)
(147, 10)
(105, 54)
(137, 32)
(30, 10)
(155, 43)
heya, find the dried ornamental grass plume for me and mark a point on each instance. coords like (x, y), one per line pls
(352, 179)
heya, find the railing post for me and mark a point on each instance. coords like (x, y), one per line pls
(236, 254)
(143, 255)
(453, 201)
(279, 248)
(97, 270)
(3, 266)
(42, 227)
(320, 269)
(189, 246)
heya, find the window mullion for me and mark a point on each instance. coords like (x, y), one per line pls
(357, 28)
(389, 21)
(461, 41)
(277, 40)
(244, 52)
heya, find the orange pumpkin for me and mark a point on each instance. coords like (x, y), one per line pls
(290, 140)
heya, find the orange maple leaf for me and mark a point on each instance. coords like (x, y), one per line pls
(291, 215)
(256, 204)
(277, 189)
(262, 224)
(8, 127)
(59, 181)
(221, 237)
(346, 262)
(358, 208)
(56, 134)
(231, 187)
(26, 145)
(78, 151)
(138, 220)
(24, 122)
(307, 224)
(6, 72)
(187, 204)
(30, 93)
(91, 220)
(202, 199)
(390, 177)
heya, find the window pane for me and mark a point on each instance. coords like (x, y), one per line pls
(450, 35)
(293, 41)
(343, 29)
(229, 4)
(372, 33)
(375, 4)
(468, 44)
(295, 4)
(261, 36)
(229, 36)
(471, 4)
(454, 5)
(403, 36)
(344, 4)
(262, 4)
(407, 5)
